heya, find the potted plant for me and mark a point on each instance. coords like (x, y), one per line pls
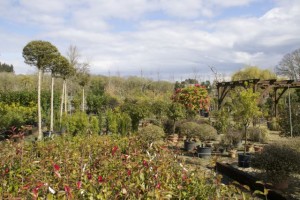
(207, 134)
(278, 162)
(232, 153)
(190, 131)
(244, 112)
(151, 133)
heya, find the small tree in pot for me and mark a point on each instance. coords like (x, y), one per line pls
(195, 132)
(244, 112)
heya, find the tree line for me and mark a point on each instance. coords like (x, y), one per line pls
(6, 68)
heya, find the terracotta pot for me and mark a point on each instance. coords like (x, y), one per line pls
(249, 148)
(232, 153)
(281, 185)
(258, 149)
(173, 138)
(209, 144)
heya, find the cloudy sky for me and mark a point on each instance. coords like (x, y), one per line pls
(169, 39)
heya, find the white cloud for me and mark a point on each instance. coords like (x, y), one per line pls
(181, 36)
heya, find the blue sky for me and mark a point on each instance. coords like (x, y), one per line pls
(173, 38)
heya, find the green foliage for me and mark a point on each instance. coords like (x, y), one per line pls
(232, 138)
(151, 133)
(258, 134)
(137, 110)
(198, 131)
(76, 102)
(26, 98)
(102, 167)
(6, 68)
(94, 125)
(245, 107)
(124, 123)
(77, 123)
(252, 72)
(293, 143)
(175, 111)
(111, 122)
(278, 161)
(284, 119)
(95, 103)
(17, 115)
(40, 54)
(59, 66)
(97, 86)
(222, 120)
(159, 108)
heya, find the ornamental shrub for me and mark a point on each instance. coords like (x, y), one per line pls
(94, 125)
(111, 122)
(258, 134)
(103, 167)
(198, 131)
(193, 97)
(77, 123)
(278, 161)
(151, 133)
(16, 115)
(124, 123)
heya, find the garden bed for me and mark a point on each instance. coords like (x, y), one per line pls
(252, 178)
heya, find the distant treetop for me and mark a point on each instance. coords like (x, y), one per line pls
(253, 72)
(6, 68)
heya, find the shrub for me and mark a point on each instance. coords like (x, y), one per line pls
(232, 137)
(293, 143)
(124, 123)
(278, 161)
(258, 134)
(284, 120)
(273, 125)
(201, 131)
(16, 115)
(111, 122)
(78, 123)
(151, 133)
(102, 167)
(94, 124)
(168, 126)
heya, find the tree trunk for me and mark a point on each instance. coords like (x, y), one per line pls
(83, 98)
(174, 126)
(40, 134)
(66, 97)
(62, 102)
(246, 138)
(52, 98)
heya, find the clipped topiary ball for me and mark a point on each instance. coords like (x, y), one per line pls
(151, 133)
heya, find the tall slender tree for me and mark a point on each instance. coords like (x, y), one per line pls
(83, 79)
(39, 54)
(57, 67)
(65, 72)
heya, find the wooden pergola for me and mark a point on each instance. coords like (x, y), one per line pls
(278, 86)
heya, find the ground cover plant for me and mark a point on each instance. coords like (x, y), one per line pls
(101, 167)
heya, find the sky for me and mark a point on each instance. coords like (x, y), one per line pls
(158, 39)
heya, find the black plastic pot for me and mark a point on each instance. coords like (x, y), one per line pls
(204, 152)
(244, 160)
(190, 145)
